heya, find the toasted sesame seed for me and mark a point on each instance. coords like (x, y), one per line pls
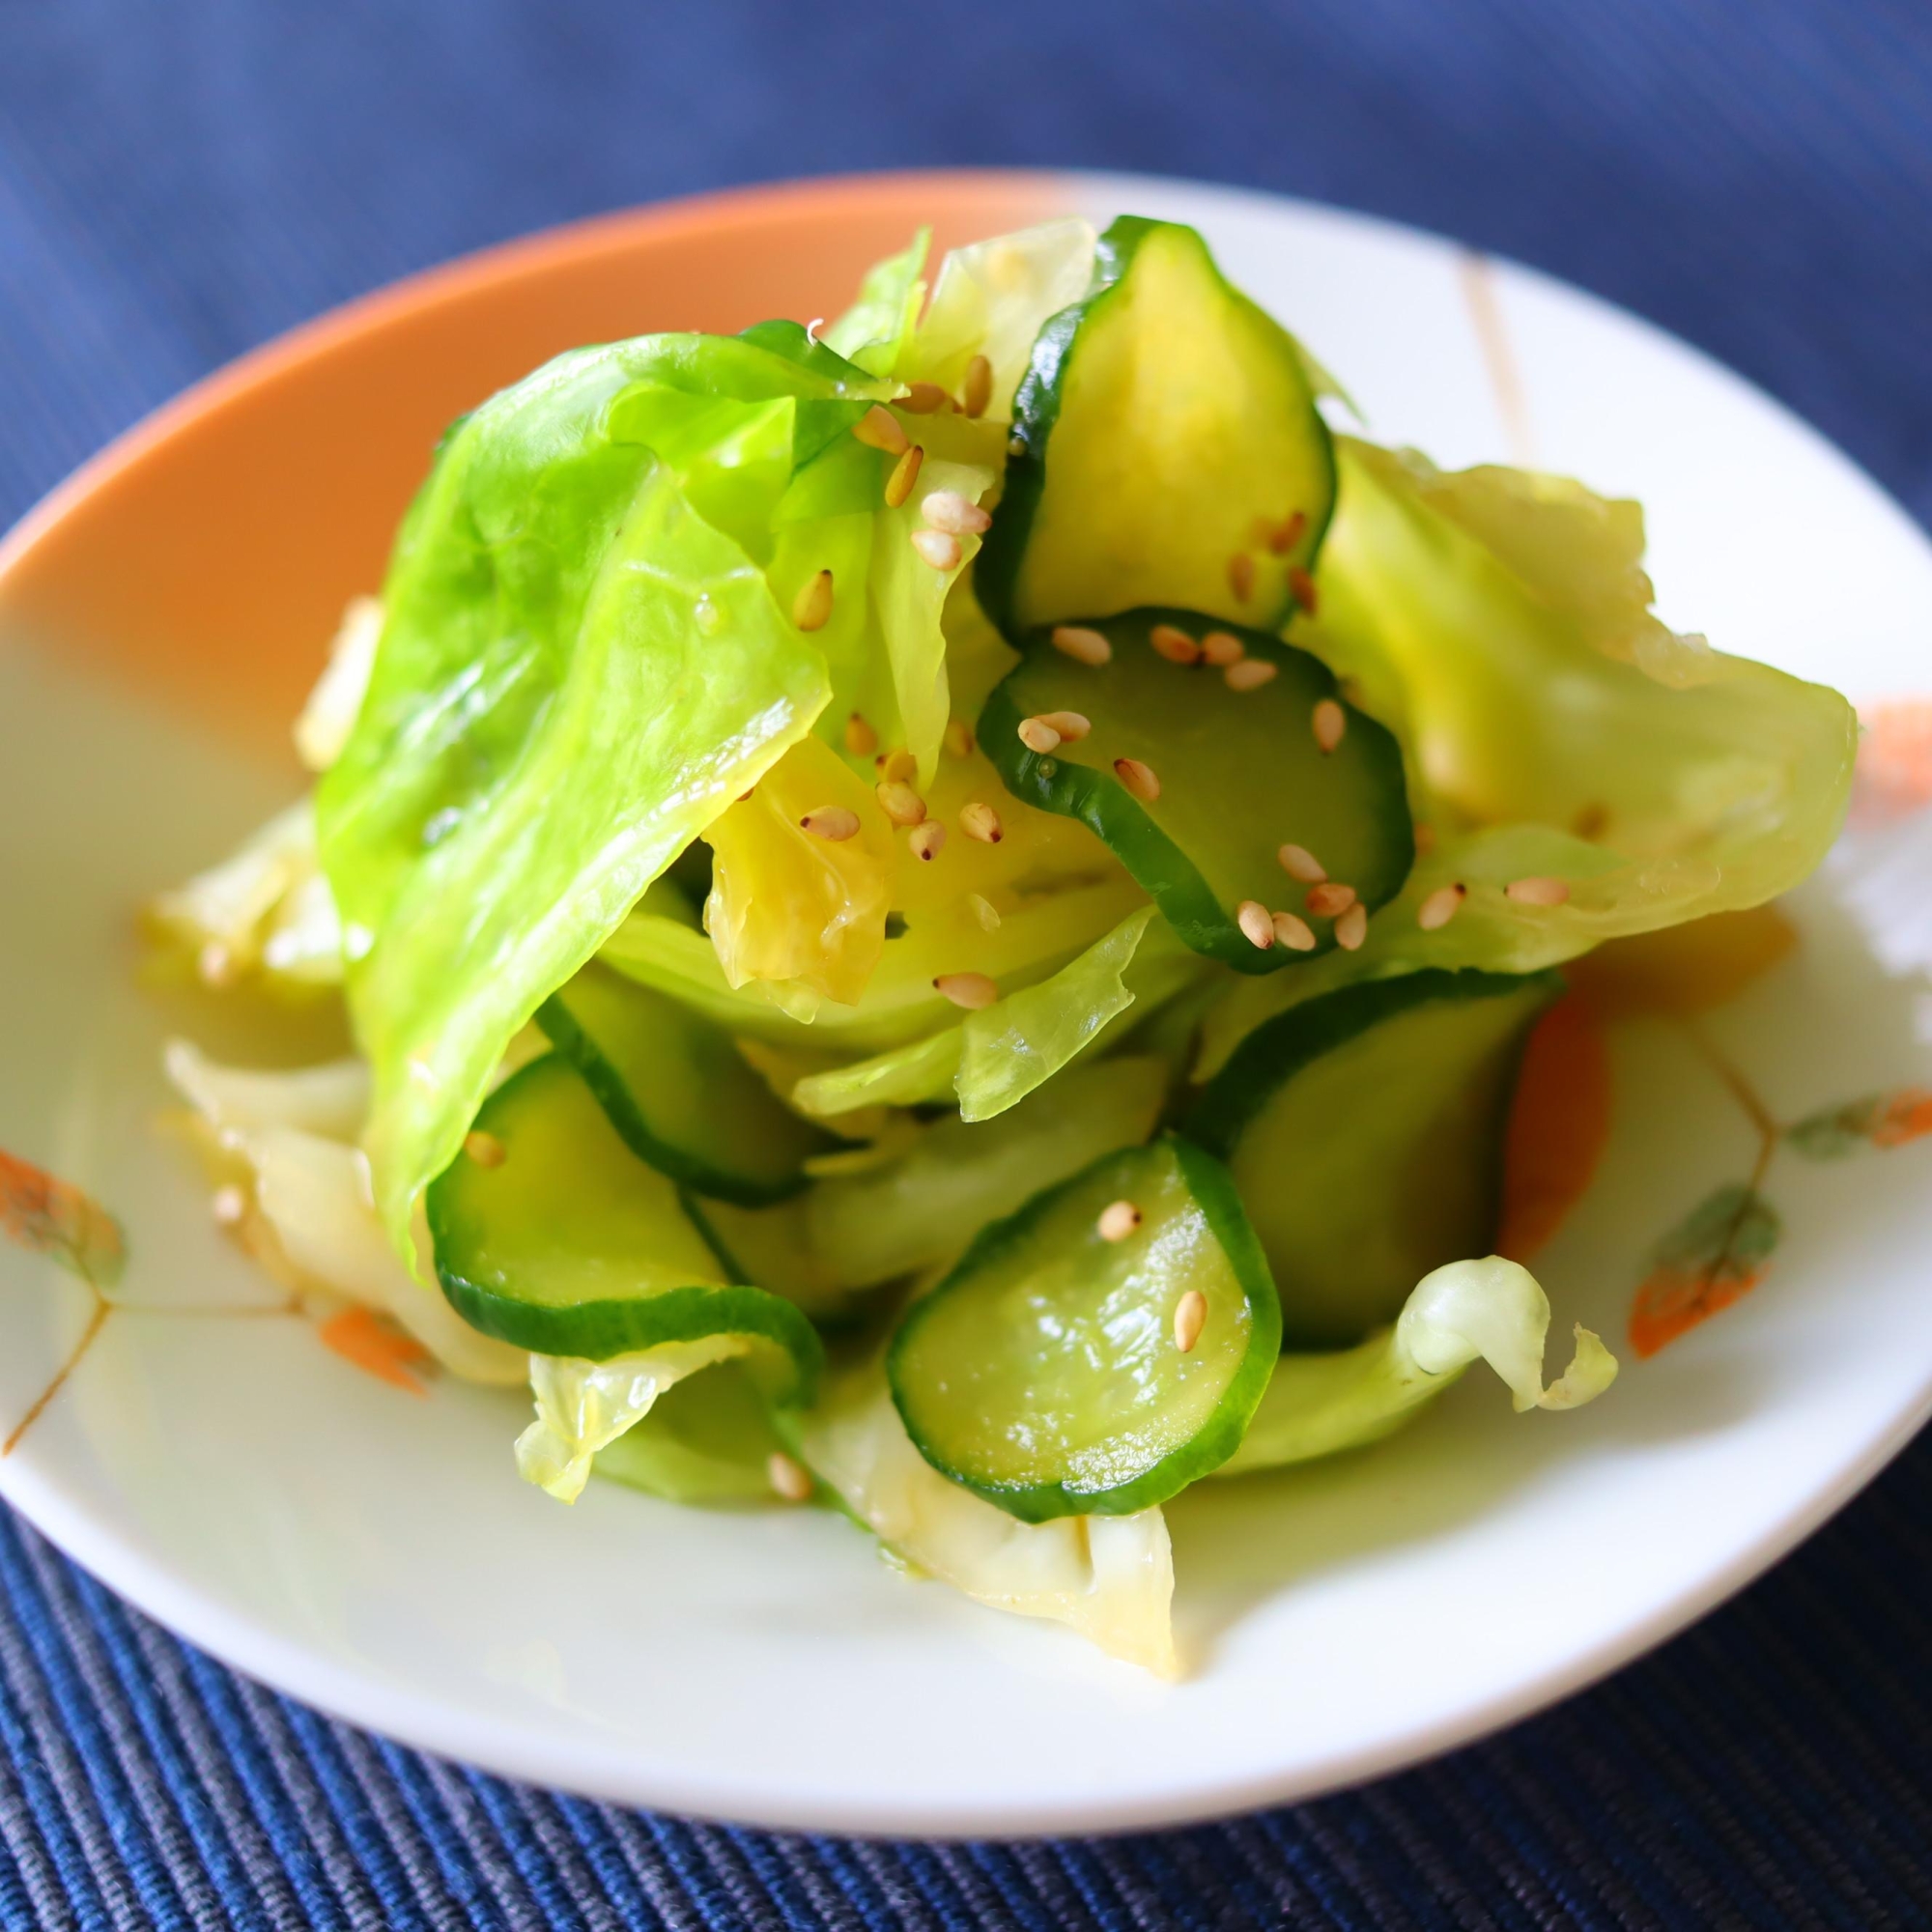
(1138, 777)
(1353, 927)
(1591, 820)
(1286, 533)
(1242, 575)
(939, 548)
(228, 1205)
(1329, 899)
(898, 767)
(1175, 644)
(812, 605)
(1538, 892)
(1441, 906)
(1296, 934)
(921, 399)
(926, 838)
(485, 1149)
(217, 964)
(879, 429)
(1301, 587)
(1072, 726)
(979, 820)
(1300, 862)
(985, 911)
(1256, 922)
(860, 739)
(1250, 674)
(1222, 648)
(1190, 1317)
(1330, 723)
(905, 473)
(976, 392)
(746, 793)
(789, 1479)
(974, 991)
(1425, 841)
(959, 737)
(1118, 1220)
(1038, 735)
(1082, 646)
(948, 510)
(900, 802)
(835, 822)
(1017, 444)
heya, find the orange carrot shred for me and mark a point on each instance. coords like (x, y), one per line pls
(377, 1347)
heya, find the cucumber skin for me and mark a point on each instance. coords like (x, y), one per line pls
(1037, 410)
(1101, 803)
(560, 1026)
(1279, 1048)
(1213, 1189)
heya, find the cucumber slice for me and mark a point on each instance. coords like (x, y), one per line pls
(679, 1091)
(567, 1244)
(1044, 1373)
(1165, 428)
(1239, 774)
(1365, 1132)
(772, 1248)
(707, 1441)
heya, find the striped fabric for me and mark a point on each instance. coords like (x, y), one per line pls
(178, 183)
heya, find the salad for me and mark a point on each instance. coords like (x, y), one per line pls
(940, 913)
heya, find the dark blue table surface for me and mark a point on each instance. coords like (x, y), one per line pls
(178, 182)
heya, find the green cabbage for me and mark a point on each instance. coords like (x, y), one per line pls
(874, 330)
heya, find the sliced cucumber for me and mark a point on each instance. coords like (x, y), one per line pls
(1044, 1373)
(1365, 1132)
(772, 1248)
(677, 1089)
(1239, 774)
(561, 1241)
(707, 1440)
(1165, 428)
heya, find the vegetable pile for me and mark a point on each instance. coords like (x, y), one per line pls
(943, 914)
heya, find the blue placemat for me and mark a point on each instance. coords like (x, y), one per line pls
(179, 181)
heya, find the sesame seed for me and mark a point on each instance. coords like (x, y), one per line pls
(835, 822)
(1072, 726)
(1353, 927)
(1256, 922)
(1286, 533)
(1296, 934)
(985, 911)
(939, 548)
(228, 1205)
(812, 605)
(485, 1149)
(1425, 841)
(1301, 587)
(1330, 723)
(976, 390)
(1329, 899)
(1591, 820)
(879, 429)
(1017, 444)
(1440, 906)
(926, 840)
(1300, 862)
(974, 991)
(860, 739)
(1242, 576)
(1250, 674)
(979, 820)
(1175, 644)
(959, 737)
(1222, 648)
(905, 473)
(899, 767)
(1038, 735)
(1190, 1317)
(921, 399)
(948, 510)
(215, 963)
(1082, 646)
(1118, 1220)
(900, 803)
(1538, 892)
(1139, 778)
(746, 793)
(789, 1479)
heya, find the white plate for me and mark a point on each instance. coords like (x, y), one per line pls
(375, 1555)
